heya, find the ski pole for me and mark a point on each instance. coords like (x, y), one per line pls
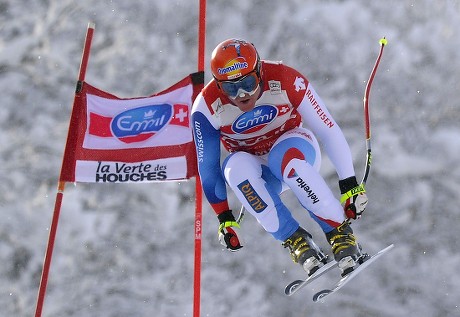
(367, 121)
(240, 216)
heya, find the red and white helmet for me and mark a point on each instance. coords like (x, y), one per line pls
(233, 58)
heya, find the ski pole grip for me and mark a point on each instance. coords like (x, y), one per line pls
(352, 192)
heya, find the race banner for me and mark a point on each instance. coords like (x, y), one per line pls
(132, 140)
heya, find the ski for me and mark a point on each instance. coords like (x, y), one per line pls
(294, 286)
(320, 296)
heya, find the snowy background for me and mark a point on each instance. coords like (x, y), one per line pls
(127, 250)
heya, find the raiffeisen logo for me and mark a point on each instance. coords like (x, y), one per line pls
(255, 120)
(141, 123)
(233, 68)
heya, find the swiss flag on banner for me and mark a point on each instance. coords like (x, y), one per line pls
(143, 139)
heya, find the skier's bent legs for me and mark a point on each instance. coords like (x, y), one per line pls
(258, 190)
(295, 159)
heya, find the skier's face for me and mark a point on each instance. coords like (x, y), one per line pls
(246, 102)
(243, 91)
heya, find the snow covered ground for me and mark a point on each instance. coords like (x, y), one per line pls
(127, 250)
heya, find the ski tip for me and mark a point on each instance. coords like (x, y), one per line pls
(383, 41)
(292, 287)
(391, 246)
(319, 297)
(289, 291)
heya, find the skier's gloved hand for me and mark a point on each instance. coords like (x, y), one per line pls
(354, 198)
(228, 231)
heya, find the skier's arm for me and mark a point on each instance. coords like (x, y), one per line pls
(317, 117)
(207, 142)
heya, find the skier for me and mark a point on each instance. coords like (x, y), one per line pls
(256, 109)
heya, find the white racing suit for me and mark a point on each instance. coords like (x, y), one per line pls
(272, 147)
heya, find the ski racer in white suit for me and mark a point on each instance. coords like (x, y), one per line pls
(268, 117)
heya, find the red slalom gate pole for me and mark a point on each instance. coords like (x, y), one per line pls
(197, 258)
(61, 186)
(198, 188)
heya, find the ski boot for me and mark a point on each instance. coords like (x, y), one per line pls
(304, 251)
(347, 252)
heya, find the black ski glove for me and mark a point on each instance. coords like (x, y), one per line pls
(354, 198)
(228, 231)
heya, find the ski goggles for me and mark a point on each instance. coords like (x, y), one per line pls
(247, 84)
